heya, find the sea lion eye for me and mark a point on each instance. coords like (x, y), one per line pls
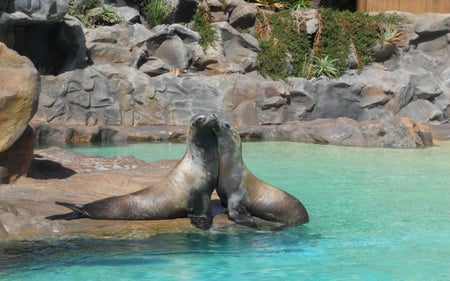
(227, 125)
(200, 119)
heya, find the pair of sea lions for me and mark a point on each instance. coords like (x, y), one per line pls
(213, 159)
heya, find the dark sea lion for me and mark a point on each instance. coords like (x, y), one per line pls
(243, 194)
(184, 192)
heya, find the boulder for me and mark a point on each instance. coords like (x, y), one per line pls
(421, 110)
(243, 16)
(331, 98)
(397, 133)
(174, 53)
(155, 66)
(20, 12)
(19, 94)
(234, 47)
(129, 14)
(119, 44)
(16, 160)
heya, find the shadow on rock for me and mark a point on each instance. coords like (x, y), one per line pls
(48, 169)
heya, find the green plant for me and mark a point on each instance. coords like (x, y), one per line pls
(325, 67)
(287, 50)
(104, 15)
(94, 12)
(389, 34)
(78, 12)
(277, 5)
(155, 11)
(202, 24)
(284, 41)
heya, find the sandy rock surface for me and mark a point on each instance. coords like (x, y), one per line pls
(59, 175)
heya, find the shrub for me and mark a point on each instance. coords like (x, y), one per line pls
(202, 24)
(284, 41)
(324, 67)
(155, 11)
(94, 12)
(326, 52)
(104, 15)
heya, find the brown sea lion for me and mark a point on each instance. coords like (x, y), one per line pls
(243, 194)
(184, 192)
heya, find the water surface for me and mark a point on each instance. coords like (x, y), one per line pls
(376, 214)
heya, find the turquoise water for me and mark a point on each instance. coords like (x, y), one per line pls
(376, 214)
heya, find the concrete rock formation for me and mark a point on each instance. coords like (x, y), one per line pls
(129, 75)
(19, 94)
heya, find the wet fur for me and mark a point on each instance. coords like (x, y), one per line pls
(245, 195)
(184, 192)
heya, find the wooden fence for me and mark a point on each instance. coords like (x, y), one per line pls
(412, 6)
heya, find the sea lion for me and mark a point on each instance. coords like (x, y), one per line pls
(243, 194)
(184, 192)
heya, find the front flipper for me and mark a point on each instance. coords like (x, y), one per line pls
(199, 210)
(240, 215)
(77, 213)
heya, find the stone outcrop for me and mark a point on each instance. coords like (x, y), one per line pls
(397, 133)
(59, 175)
(129, 75)
(14, 11)
(19, 94)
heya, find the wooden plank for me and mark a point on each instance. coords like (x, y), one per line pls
(412, 6)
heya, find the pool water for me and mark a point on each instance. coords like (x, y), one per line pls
(376, 214)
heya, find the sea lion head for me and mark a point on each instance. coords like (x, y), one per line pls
(200, 132)
(228, 138)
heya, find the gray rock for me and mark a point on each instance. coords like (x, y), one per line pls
(426, 86)
(19, 12)
(311, 18)
(223, 68)
(331, 98)
(79, 97)
(119, 44)
(129, 14)
(421, 110)
(373, 96)
(174, 53)
(243, 16)
(236, 47)
(396, 133)
(154, 67)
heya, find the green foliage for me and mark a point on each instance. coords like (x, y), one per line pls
(287, 43)
(284, 4)
(324, 67)
(104, 15)
(202, 24)
(341, 28)
(94, 12)
(389, 34)
(284, 36)
(155, 11)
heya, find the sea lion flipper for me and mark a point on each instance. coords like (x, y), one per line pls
(203, 221)
(199, 210)
(242, 216)
(77, 213)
